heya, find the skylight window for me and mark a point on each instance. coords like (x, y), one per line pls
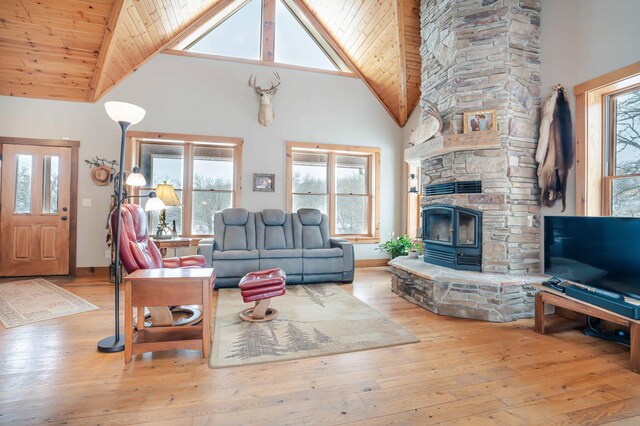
(237, 32)
(294, 45)
(237, 36)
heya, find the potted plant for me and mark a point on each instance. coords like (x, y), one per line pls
(398, 246)
(415, 250)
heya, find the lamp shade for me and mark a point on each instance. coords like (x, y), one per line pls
(124, 112)
(167, 194)
(153, 203)
(136, 178)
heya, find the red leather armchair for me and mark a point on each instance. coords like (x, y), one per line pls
(137, 252)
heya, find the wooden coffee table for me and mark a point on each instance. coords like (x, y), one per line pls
(167, 287)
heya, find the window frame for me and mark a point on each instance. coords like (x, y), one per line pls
(373, 184)
(593, 137)
(611, 151)
(135, 141)
(267, 38)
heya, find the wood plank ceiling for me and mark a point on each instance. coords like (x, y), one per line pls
(79, 49)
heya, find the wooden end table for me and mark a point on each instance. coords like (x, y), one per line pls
(167, 287)
(173, 243)
(551, 297)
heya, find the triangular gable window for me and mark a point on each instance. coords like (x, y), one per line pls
(294, 45)
(237, 36)
(237, 32)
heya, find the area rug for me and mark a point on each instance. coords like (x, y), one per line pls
(314, 320)
(33, 300)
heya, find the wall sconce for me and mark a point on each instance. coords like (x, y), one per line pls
(413, 184)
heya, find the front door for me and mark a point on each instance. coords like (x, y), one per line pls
(34, 210)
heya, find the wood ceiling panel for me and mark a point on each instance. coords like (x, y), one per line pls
(50, 49)
(381, 39)
(141, 30)
(79, 49)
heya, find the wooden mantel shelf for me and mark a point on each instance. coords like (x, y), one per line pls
(451, 143)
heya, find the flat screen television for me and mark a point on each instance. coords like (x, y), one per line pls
(602, 252)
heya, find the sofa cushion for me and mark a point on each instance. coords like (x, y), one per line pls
(273, 217)
(312, 237)
(310, 229)
(330, 252)
(235, 216)
(311, 217)
(235, 238)
(273, 230)
(290, 265)
(322, 265)
(236, 268)
(235, 254)
(274, 238)
(280, 254)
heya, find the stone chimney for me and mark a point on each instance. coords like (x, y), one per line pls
(484, 55)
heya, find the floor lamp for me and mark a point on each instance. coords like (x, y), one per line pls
(125, 115)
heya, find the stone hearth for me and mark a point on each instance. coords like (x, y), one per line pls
(477, 295)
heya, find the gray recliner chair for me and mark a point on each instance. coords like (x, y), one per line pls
(324, 259)
(233, 251)
(274, 240)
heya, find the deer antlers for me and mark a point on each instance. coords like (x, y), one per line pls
(271, 90)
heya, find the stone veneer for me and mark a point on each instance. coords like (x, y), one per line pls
(476, 295)
(484, 54)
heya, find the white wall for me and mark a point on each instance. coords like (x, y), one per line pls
(581, 40)
(206, 97)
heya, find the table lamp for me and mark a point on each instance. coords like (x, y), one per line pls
(167, 194)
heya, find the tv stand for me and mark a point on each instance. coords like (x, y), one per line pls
(551, 297)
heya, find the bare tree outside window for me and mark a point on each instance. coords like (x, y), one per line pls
(350, 174)
(24, 172)
(625, 158)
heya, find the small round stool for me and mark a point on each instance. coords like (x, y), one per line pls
(260, 287)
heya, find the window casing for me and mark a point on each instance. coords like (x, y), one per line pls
(342, 182)
(205, 172)
(598, 176)
(622, 180)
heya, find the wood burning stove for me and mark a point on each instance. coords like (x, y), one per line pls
(452, 237)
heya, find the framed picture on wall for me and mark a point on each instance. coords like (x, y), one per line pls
(480, 121)
(264, 182)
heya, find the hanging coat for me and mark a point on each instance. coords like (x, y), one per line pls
(556, 149)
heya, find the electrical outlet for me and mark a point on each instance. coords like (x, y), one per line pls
(107, 254)
(86, 202)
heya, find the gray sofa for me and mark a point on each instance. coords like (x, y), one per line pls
(299, 243)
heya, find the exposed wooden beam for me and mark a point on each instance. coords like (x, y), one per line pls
(106, 50)
(398, 10)
(268, 30)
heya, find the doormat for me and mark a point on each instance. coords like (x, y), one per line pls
(28, 301)
(314, 320)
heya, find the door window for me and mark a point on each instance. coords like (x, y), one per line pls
(50, 184)
(24, 174)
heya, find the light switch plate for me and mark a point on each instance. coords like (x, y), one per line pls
(86, 202)
(107, 254)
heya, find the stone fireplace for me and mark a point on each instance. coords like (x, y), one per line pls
(452, 237)
(481, 55)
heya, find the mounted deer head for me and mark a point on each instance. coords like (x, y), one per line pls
(265, 115)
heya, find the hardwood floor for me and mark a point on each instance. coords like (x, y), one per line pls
(462, 372)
